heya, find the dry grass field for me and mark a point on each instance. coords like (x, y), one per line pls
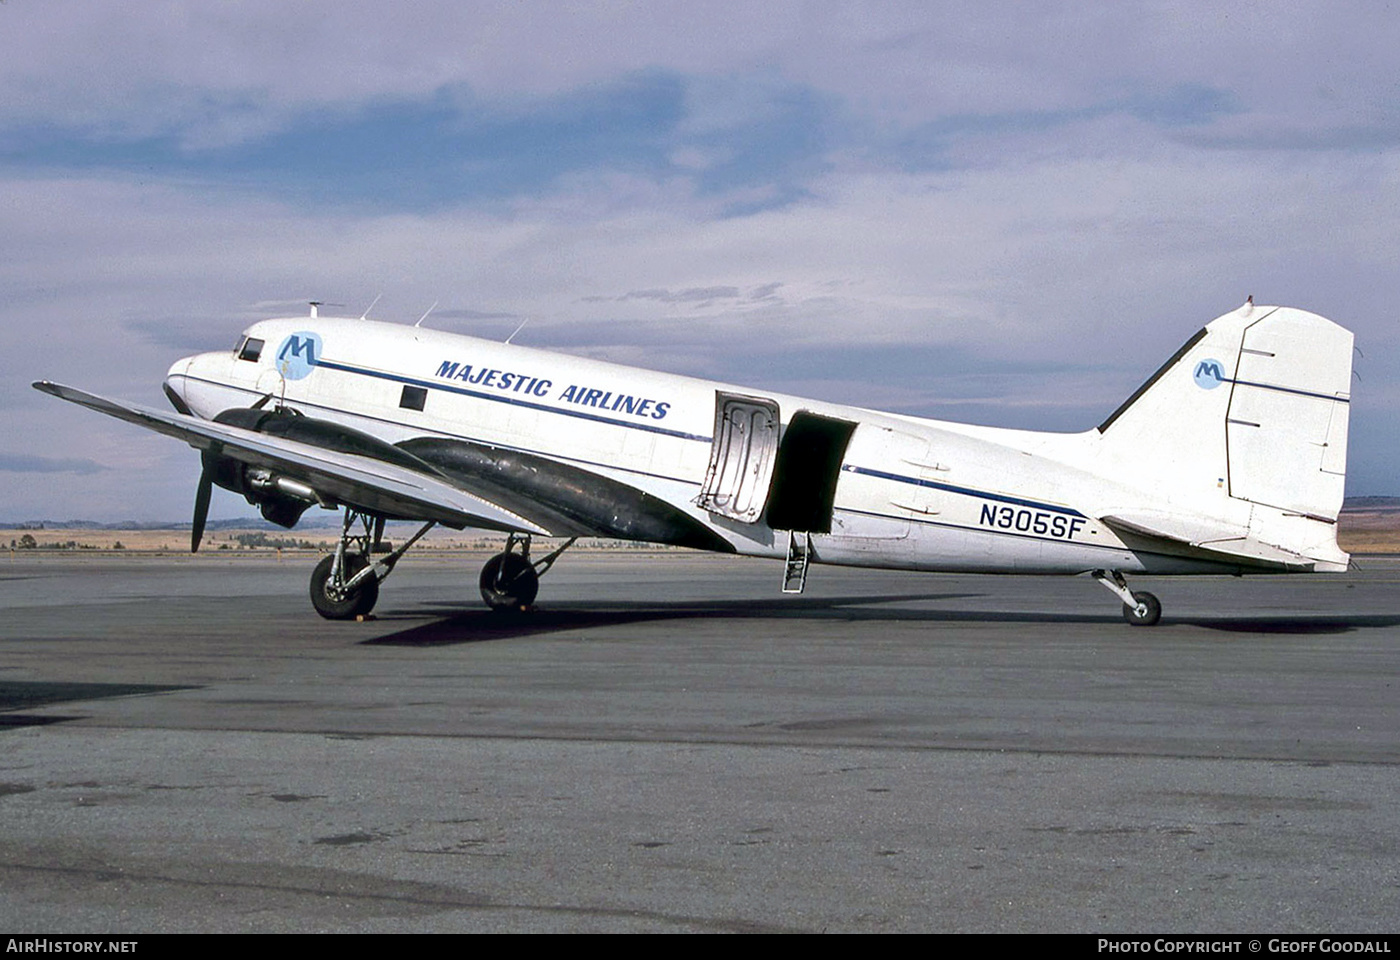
(1366, 528)
(1370, 529)
(233, 543)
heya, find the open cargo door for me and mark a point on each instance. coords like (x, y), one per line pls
(742, 457)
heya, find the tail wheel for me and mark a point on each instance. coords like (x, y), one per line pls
(1146, 612)
(336, 604)
(509, 582)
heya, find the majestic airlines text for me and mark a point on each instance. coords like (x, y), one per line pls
(580, 394)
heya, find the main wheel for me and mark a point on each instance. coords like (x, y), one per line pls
(337, 605)
(509, 582)
(1147, 612)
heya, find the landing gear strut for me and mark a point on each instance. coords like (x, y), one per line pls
(1140, 608)
(345, 585)
(510, 580)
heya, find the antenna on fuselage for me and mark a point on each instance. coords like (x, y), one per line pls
(425, 314)
(314, 305)
(365, 315)
(518, 329)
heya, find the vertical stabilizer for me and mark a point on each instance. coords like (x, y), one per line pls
(1247, 422)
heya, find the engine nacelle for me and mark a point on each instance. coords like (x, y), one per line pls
(282, 499)
(260, 487)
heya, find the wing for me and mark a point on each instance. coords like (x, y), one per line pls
(363, 483)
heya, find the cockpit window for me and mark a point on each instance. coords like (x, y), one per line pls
(251, 349)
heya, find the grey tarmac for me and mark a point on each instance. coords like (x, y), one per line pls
(668, 744)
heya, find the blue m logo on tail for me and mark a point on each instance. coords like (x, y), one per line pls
(1209, 374)
(298, 354)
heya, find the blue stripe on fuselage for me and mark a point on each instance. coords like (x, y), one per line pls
(965, 491)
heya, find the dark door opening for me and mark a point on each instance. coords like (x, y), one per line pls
(808, 466)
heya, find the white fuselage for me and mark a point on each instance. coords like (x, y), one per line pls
(911, 493)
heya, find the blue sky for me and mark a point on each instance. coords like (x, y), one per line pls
(1003, 213)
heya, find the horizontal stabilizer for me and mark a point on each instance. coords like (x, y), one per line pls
(1204, 534)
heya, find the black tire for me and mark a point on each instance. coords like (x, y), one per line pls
(509, 582)
(1151, 610)
(356, 603)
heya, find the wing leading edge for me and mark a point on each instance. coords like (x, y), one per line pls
(363, 483)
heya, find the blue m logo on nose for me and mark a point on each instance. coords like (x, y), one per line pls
(298, 354)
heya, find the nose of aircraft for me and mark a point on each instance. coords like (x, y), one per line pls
(175, 384)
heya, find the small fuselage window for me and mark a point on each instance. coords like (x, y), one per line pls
(413, 398)
(250, 349)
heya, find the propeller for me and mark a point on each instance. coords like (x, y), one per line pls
(209, 460)
(201, 506)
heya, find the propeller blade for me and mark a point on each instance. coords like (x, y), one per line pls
(201, 508)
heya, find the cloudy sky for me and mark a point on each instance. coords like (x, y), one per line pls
(1002, 213)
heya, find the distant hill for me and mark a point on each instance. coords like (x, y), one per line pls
(331, 521)
(328, 520)
(1370, 503)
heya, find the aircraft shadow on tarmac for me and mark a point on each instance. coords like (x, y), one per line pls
(458, 626)
(1291, 624)
(18, 695)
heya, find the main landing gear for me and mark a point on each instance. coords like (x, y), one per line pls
(345, 585)
(510, 580)
(1140, 608)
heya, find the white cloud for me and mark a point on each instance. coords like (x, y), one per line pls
(211, 70)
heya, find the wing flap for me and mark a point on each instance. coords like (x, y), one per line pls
(363, 483)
